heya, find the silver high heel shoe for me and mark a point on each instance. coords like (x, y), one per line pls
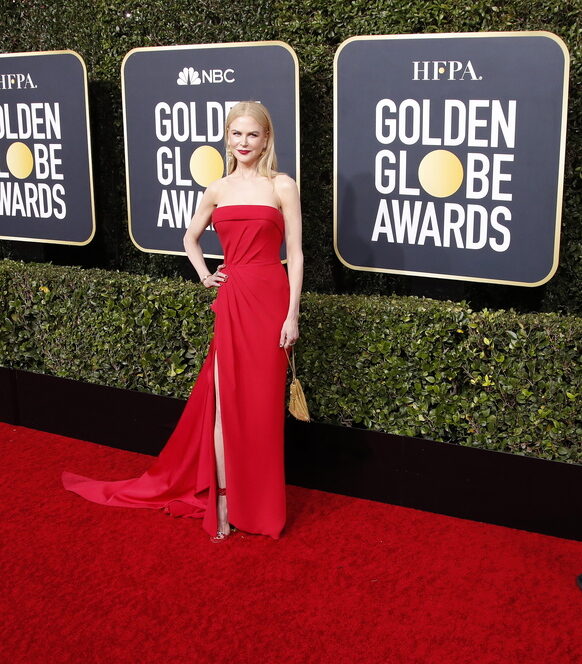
(220, 535)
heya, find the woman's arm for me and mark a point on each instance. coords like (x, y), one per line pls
(198, 223)
(288, 194)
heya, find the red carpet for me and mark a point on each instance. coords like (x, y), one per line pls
(350, 581)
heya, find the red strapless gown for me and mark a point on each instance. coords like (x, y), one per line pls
(250, 309)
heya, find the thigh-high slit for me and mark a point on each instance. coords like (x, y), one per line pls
(218, 430)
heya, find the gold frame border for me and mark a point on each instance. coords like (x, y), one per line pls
(561, 156)
(182, 47)
(89, 153)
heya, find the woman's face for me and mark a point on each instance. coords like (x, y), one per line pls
(246, 140)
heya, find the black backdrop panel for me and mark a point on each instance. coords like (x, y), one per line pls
(175, 103)
(46, 188)
(449, 155)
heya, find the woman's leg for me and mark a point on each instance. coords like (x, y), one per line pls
(222, 514)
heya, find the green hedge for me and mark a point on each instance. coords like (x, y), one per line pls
(403, 365)
(103, 31)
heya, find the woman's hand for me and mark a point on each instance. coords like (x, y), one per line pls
(289, 332)
(217, 278)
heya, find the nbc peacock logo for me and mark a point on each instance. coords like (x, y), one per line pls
(189, 76)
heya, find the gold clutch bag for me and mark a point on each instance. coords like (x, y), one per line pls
(297, 403)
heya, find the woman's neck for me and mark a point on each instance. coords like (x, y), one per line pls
(246, 172)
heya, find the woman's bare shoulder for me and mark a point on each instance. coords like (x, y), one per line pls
(284, 183)
(216, 188)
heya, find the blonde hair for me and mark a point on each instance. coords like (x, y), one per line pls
(267, 165)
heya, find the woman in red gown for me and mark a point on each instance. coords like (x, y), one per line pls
(224, 461)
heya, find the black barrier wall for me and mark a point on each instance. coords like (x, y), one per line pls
(530, 494)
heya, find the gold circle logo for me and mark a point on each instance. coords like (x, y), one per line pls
(19, 160)
(206, 165)
(440, 173)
